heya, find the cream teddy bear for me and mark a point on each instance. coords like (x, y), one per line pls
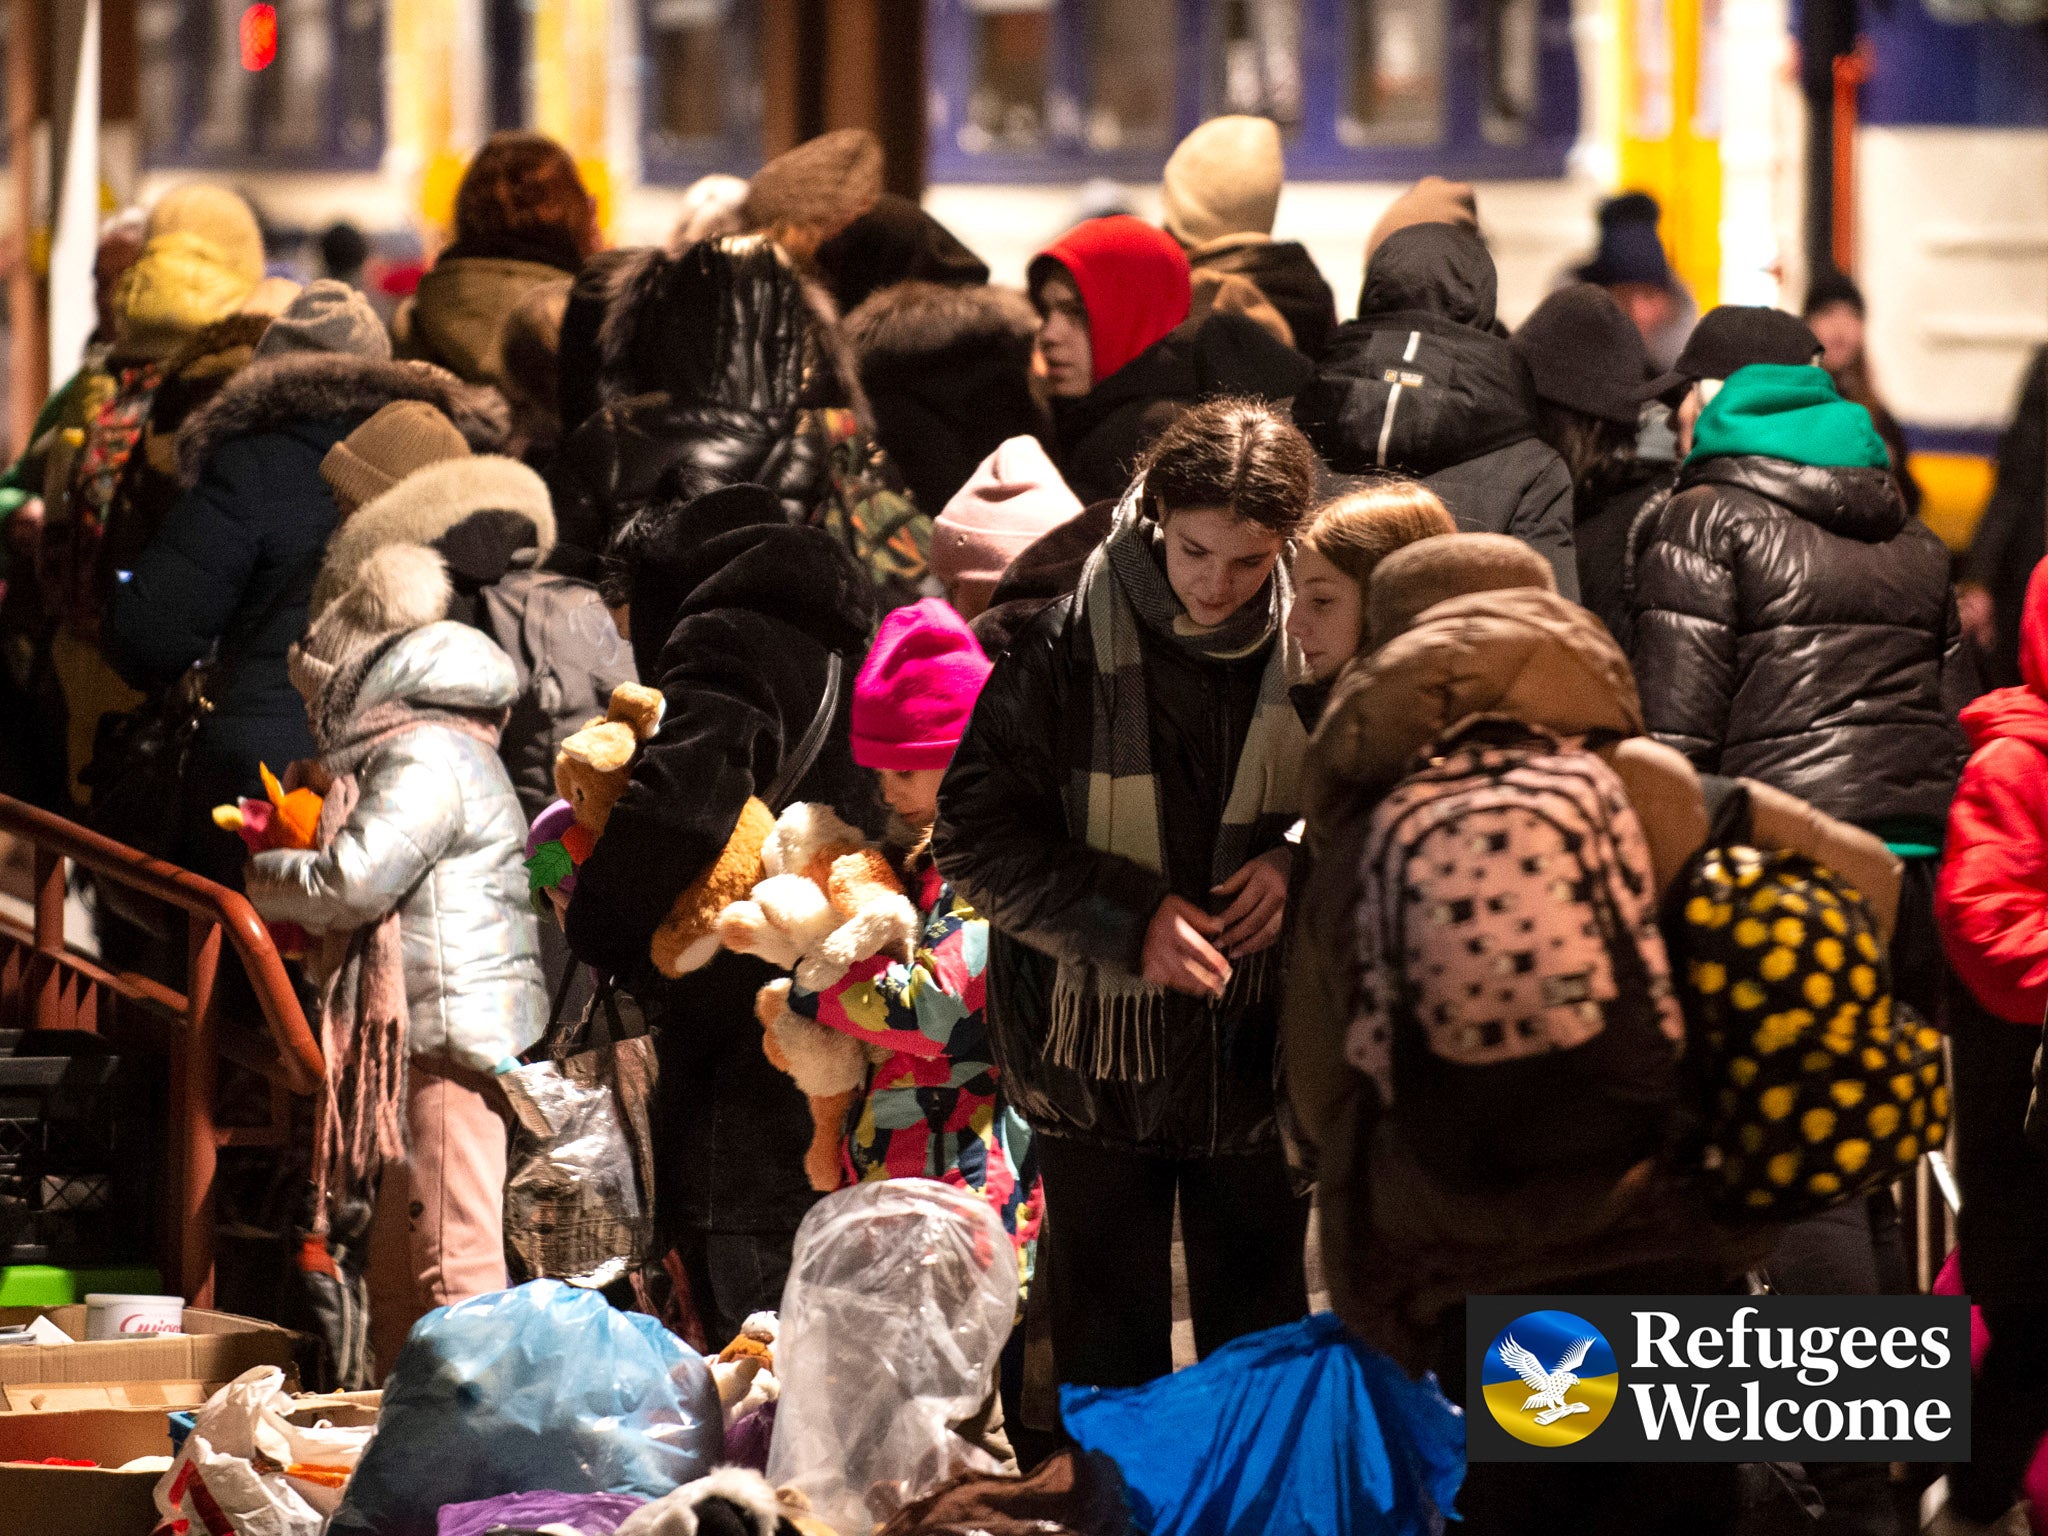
(829, 901)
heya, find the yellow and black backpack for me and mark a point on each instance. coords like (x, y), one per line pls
(1807, 1083)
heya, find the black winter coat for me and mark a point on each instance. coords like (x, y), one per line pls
(1006, 842)
(233, 565)
(2012, 535)
(947, 373)
(1102, 434)
(1600, 542)
(1792, 624)
(737, 624)
(1419, 382)
(707, 364)
(1287, 275)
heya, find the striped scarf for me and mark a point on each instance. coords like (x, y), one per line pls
(1106, 1022)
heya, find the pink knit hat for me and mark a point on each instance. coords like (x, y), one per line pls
(1013, 497)
(916, 691)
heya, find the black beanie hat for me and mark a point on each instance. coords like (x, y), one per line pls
(1733, 336)
(1585, 354)
(1831, 287)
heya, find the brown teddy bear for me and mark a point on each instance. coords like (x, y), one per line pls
(591, 771)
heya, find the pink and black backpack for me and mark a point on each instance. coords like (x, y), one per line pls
(1515, 1007)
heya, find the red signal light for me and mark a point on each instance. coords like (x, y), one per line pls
(259, 37)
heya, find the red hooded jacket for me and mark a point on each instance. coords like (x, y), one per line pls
(1992, 898)
(1133, 280)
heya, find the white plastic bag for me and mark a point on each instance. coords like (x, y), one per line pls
(246, 1469)
(901, 1294)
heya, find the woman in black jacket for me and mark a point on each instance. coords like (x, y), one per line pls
(1423, 382)
(708, 363)
(737, 617)
(1591, 372)
(1117, 812)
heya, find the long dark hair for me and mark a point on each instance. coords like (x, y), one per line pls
(1600, 454)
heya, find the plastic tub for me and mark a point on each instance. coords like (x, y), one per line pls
(113, 1314)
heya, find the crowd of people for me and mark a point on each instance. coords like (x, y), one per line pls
(1135, 620)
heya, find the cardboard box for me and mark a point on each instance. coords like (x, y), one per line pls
(99, 1501)
(175, 1370)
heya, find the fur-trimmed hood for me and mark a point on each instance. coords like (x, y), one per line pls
(313, 386)
(427, 504)
(911, 322)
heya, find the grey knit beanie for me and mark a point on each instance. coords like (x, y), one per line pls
(327, 316)
(398, 589)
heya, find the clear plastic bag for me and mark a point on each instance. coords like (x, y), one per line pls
(901, 1294)
(247, 1463)
(541, 1386)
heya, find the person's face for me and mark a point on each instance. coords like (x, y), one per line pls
(1647, 306)
(114, 257)
(1064, 350)
(1216, 562)
(1328, 617)
(1686, 416)
(913, 793)
(1840, 329)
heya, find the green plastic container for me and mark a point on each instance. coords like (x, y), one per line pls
(45, 1285)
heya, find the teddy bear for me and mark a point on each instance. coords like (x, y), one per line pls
(828, 901)
(591, 771)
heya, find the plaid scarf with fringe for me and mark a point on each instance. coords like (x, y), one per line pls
(1106, 1022)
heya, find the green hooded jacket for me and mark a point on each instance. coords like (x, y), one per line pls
(1778, 411)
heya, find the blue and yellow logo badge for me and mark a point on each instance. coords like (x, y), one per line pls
(1550, 1378)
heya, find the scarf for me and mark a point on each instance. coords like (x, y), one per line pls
(363, 1011)
(1105, 1021)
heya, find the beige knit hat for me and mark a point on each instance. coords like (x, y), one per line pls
(397, 590)
(1224, 179)
(404, 436)
(1431, 200)
(823, 184)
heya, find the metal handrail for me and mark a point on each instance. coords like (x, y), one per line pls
(59, 988)
(55, 838)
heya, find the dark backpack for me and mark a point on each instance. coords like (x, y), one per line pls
(1515, 1004)
(1809, 1084)
(569, 657)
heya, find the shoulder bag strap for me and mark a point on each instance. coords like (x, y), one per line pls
(799, 761)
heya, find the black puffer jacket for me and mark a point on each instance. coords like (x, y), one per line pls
(1287, 275)
(1420, 382)
(1005, 840)
(1102, 434)
(947, 373)
(1792, 624)
(707, 365)
(736, 615)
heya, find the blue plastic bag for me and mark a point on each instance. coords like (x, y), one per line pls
(542, 1386)
(1300, 1428)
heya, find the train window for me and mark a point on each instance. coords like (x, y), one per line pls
(1257, 65)
(1012, 60)
(1132, 53)
(685, 50)
(298, 83)
(700, 89)
(1394, 73)
(1509, 41)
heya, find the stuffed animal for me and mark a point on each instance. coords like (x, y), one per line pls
(592, 769)
(828, 902)
(280, 820)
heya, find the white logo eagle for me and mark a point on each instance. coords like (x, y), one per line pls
(1549, 1387)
